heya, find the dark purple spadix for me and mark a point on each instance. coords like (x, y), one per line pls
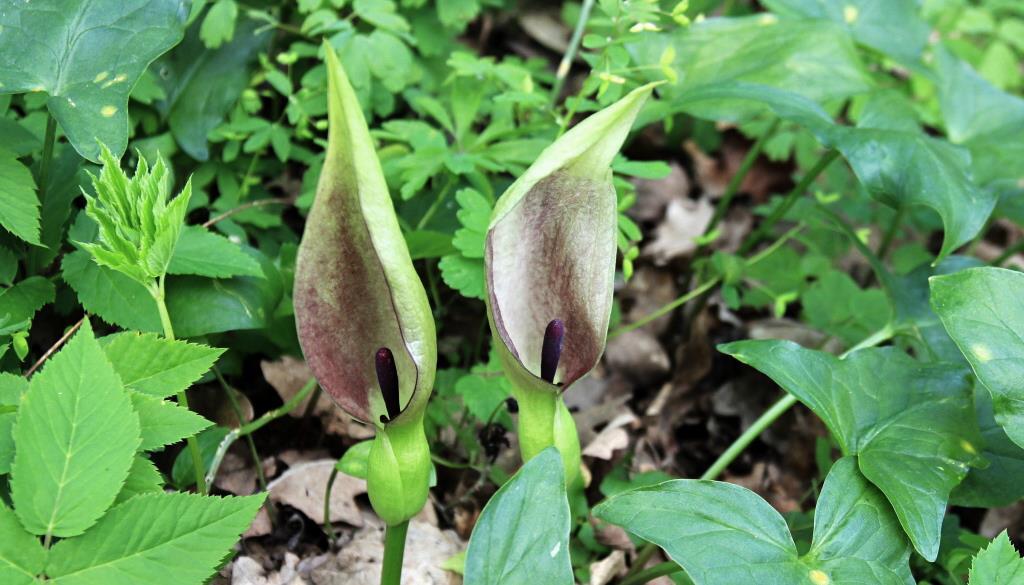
(551, 351)
(387, 377)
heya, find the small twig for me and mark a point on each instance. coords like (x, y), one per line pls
(245, 207)
(328, 527)
(53, 348)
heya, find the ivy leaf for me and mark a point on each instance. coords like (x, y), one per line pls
(22, 557)
(204, 526)
(905, 421)
(76, 435)
(52, 46)
(205, 253)
(998, 564)
(19, 206)
(522, 536)
(983, 312)
(723, 534)
(143, 478)
(893, 27)
(164, 423)
(155, 365)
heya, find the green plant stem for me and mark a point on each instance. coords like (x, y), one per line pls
(890, 234)
(651, 573)
(328, 527)
(394, 552)
(441, 196)
(780, 407)
(261, 478)
(159, 293)
(1008, 253)
(47, 160)
(741, 173)
(780, 211)
(570, 52)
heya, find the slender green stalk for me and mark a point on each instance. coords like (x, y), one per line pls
(441, 196)
(1008, 253)
(651, 573)
(394, 552)
(328, 527)
(890, 234)
(47, 160)
(780, 211)
(261, 478)
(158, 292)
(570, 52)
(741, 173)
(780, 407)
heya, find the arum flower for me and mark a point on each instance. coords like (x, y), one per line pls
(362, 314)
(550, 267)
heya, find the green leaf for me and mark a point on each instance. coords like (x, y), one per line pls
(457, 14)
(723, 534)
(183, 472)
(893, 27)
(983, 311)
(22, 557)
(428, 244)
(998, 564)
(21, 301)
(110, 295)
(465, 275)
(163, 423)
(143, 478)
(6, 441)
(522, 536)
(203, 85)
(815, 59)
(474, 214)
(116, 552)
(219, 25)
(205, 253)
(354, 461)
(1002, 482)
(61, 47)
(381, 14)
(76, 435)
(19, 206)
(837, 306)
(155, 365)
(910, 425)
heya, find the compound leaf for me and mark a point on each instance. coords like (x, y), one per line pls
(205, 253)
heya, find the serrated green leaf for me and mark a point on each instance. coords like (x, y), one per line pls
(983, 311)
(110, 295)
(115, 552)
(21, 301)
(22, 557)
(76, 434)
(143, 478)
(155, 365)
(998, 564)
(19, 206)
(522, 536)
(465, 275)
(911, 425)
(474, 214)
(723, 534)
(6, 441)
(44, 40)
(163, 423)
(205, 253)
(219, 25)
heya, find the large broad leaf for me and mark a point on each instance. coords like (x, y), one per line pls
(983, 311)
(522, 536)
(205, 253)
(76, 435)
(21, 555)
(167, 538)
(156, 365)
(998, 564)
(19, 206)
(815, 59)
(984, 119)
(724, 534)
(1001, 483)
(87, 55)
(897, 166)
(202, 85)
(911, 425)
(893, 27)
(110, 295)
